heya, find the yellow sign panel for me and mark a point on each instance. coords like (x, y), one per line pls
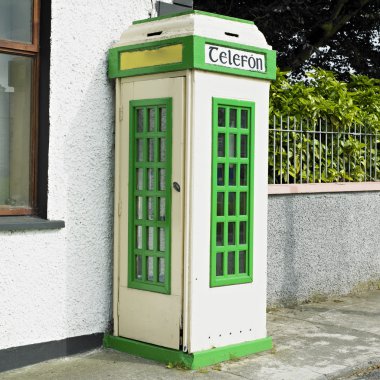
(145, 58)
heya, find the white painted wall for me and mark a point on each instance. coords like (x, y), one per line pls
(57, 284)
(226, 315)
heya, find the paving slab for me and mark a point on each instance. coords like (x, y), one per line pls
(352, 312)
(339, 338)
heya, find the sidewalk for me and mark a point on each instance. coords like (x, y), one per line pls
(327, 340)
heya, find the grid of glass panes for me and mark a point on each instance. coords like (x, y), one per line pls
(150, 218)
(230, 253)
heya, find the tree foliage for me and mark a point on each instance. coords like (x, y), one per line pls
(337, 35)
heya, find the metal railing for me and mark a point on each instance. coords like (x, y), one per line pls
(310, 151)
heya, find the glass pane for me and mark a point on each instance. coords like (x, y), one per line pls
(242, 262)
(162, 150)
(140, 150)
(243, 233)
(139, 210)
(221, 117)
(162, 204)
(152, 119)
(231, 233)
(220, 175)
(230, 218)
(140, 120)
(231, 203)
(162, 174)
(232, 145)
(232, 175)
(243, 146)
(138, 237)
(150, 233)
(162, 119)
(138, 267)
(149, 259)
(231, 263)
(220, 204)
(151, 150)
(140, 179)
(233, 113)
(219, 264)
(16, 20)
(221, 144)
(243, 175)
(219, 234)
(15, 128)
(150, 208)
(243, 203)
(244, 119)
(149, 265)
(161, 239)
(161, 270)
(150, 179)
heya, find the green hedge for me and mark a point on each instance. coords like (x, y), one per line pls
(343, 107)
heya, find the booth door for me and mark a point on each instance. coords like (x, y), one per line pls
(151, 215)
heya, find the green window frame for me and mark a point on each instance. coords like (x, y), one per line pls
(232, 192)
(149, 216)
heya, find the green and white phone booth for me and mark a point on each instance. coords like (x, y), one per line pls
(192, 93)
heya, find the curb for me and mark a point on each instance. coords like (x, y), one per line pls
(349, 371)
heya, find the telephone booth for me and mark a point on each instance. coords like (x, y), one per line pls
(192, 94)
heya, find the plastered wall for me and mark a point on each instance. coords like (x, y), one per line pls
(57, 284)
(322, 245)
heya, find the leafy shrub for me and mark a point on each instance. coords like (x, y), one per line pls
(324, 104)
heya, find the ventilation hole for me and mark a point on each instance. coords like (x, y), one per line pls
(241, 331)
(231, 34)
(250, 329)
(209, 337)
(230, 333)
(154, 34)
(220, 335)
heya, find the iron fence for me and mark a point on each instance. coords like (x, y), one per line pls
(312, 151)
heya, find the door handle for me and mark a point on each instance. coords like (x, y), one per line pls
(176, 186)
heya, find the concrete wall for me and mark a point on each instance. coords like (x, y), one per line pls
(57, 284)
(322, 244)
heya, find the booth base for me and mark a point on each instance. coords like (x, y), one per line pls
(195, 360)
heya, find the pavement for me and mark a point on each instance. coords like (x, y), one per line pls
(336, 339)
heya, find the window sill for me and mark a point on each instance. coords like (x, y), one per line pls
(337, 187)
(24, 223)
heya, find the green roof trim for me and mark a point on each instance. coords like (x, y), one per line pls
(196, 13)
(195, 360)
(193, 58)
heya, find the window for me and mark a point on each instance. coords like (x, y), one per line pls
(19, 86)
(150, 195)
(232, 192)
